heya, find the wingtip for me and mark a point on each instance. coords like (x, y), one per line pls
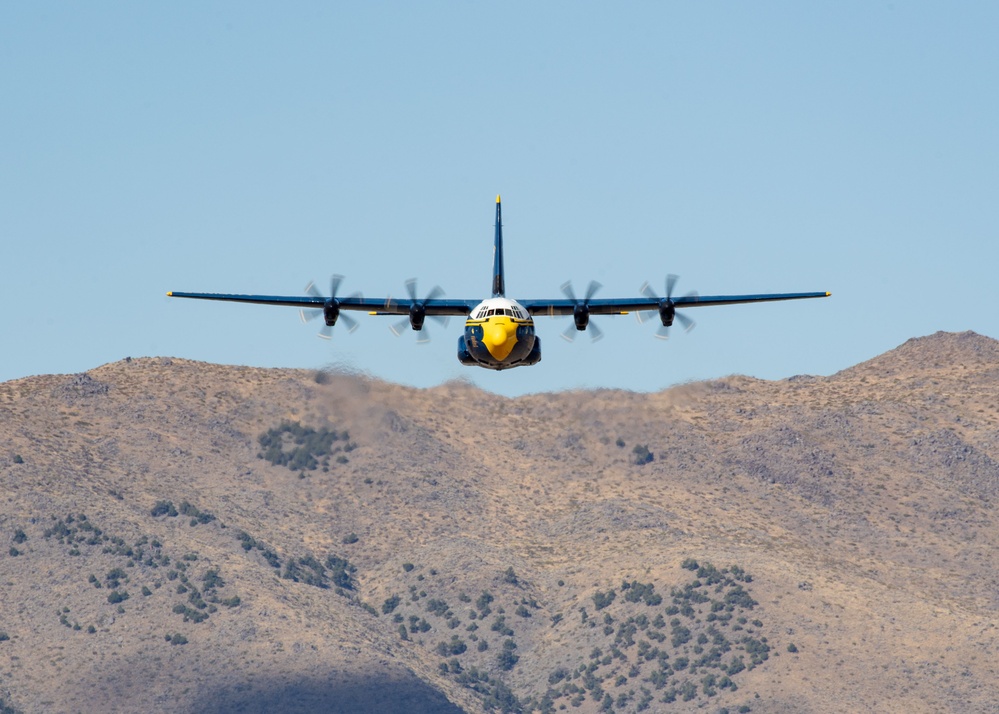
(170, 294)
(828, 294)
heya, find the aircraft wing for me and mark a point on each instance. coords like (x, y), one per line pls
(376, 306)
(622, 306)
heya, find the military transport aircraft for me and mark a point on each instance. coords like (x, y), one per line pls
(499, 331)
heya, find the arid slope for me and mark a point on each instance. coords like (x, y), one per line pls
(812, 544)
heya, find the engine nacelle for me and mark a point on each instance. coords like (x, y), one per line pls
(581, 316)
(331, 311)
(667, 311)
(535, 354)
(463, 356)
(417, 316)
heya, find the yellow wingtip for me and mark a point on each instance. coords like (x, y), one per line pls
(170, 294)
(497, 198)
(828, 294)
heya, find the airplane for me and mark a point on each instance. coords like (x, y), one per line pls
(499, 331)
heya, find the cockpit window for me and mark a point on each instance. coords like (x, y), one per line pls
(513, 311)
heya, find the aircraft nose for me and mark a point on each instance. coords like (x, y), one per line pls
(496, 335)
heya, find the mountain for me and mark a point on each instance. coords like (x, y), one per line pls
(183, 536)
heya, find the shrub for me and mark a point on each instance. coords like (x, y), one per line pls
(391, 604)
(309, 448)
(212, 579)
(20, 536)
(642, 455)
(602, 600)
(163, 508)
(437, 607)
(483, 602)
(499, 625)
(456, 646)
(506, 659)
(197, 516)
(350, 539)
(117, 596)
(341, 572)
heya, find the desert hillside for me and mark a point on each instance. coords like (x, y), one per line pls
(179, 536)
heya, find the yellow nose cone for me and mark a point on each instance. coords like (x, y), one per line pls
(499, 338)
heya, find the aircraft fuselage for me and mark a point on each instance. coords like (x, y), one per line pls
(499, 334)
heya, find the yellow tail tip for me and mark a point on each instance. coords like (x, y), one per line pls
(497, 198)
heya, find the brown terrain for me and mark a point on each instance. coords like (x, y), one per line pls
(815, 544)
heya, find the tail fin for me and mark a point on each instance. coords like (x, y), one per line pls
(499, 288)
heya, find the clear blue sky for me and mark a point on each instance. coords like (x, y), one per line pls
(250, 147)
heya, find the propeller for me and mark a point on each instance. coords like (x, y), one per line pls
(418, 312)
(667, 308)
(330, 309)
(581, 312)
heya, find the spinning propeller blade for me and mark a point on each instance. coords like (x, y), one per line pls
(581, 312)
(310, 314)
(667, 304)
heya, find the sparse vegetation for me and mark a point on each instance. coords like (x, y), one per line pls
(641, 455)
(302, 449)
(603, 599)
(568, 511)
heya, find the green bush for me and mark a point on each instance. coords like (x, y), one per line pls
(307, 448)
(602, 600)
(212, 579)
(506, 659)
(117, 596)
(163, 508)
(642, 455)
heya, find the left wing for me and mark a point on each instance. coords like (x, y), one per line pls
(376, 306)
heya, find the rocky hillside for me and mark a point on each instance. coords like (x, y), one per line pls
(179, 536)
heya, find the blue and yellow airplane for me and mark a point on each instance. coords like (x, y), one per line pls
(499, 332)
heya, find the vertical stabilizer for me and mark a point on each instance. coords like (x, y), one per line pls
(499, 288)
